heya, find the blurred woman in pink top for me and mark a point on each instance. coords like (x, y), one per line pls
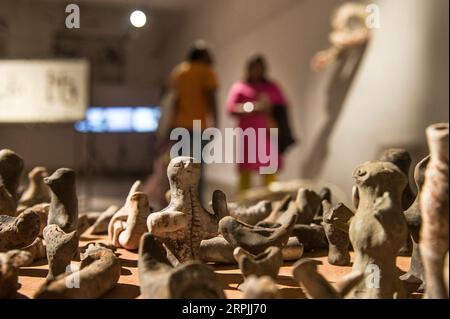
(264, 95)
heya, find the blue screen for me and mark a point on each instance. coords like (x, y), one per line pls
(141, 119)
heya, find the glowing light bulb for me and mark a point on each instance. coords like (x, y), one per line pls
(138, 19)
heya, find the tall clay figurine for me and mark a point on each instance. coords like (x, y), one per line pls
(349, 39)
(414, 276)
(378, 230)
(434, 212)
(338, 241)
(184, 223)
(61, 234)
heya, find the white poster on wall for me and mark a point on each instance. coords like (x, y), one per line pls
(36, 91)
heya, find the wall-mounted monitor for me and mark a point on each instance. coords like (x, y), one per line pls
(124, 119)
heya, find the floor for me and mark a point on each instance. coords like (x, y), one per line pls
(30, 278)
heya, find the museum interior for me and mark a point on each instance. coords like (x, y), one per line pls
(224, 149)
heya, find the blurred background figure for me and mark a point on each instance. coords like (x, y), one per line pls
(191, 96)
(253, 102)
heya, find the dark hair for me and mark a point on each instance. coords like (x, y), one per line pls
(199, 51)
(254, 60)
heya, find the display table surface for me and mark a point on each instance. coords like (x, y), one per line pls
(32, 277)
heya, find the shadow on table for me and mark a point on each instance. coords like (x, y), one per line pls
(33, 272)
(123, 291)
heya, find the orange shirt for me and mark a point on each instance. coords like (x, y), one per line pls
(191, 81)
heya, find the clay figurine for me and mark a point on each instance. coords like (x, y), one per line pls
(36, 250)
(11, 167)
(311, 236)
(64, 203)
(338, 240)
(434, 212)
(60, 234)
(378, 229)
(37, 191)
(317, 287)
(18, 232)
(184, 223)
(414, 276)
(100, 226)
(160, 280)
(308, 204)
(122, 213)
(42, 210)
(10, 263)
(99, 272)
(61, 249)
(127, 229)
(252, 214)
(267, 263)
(8, 205)
(218, 250)
(256, 239)
(260, 288)
(402, 159)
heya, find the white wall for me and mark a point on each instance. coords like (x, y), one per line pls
(401, 86)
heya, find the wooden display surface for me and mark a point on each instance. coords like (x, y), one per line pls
(32, 277)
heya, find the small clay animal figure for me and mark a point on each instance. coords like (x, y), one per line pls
(64, 203)
(37, 191)
(434, 212)
(42, 210)
(128, 228)
(99, 272)
(122, 213)
(18, 232)
(311, 236)
(308, 204)
(36, 250)
(10, 263)
(278, 210)
(414, 276)
(337, 238)
(160, 280)
(184, 223)
(252, 214)
(317, 287)
(267, 263)
(260, 288)
(60, 234)
(11, 167)
(100, 226)
(218, 250)
(61, 249)
(8, 204)
(378, 229)
(256, 239)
